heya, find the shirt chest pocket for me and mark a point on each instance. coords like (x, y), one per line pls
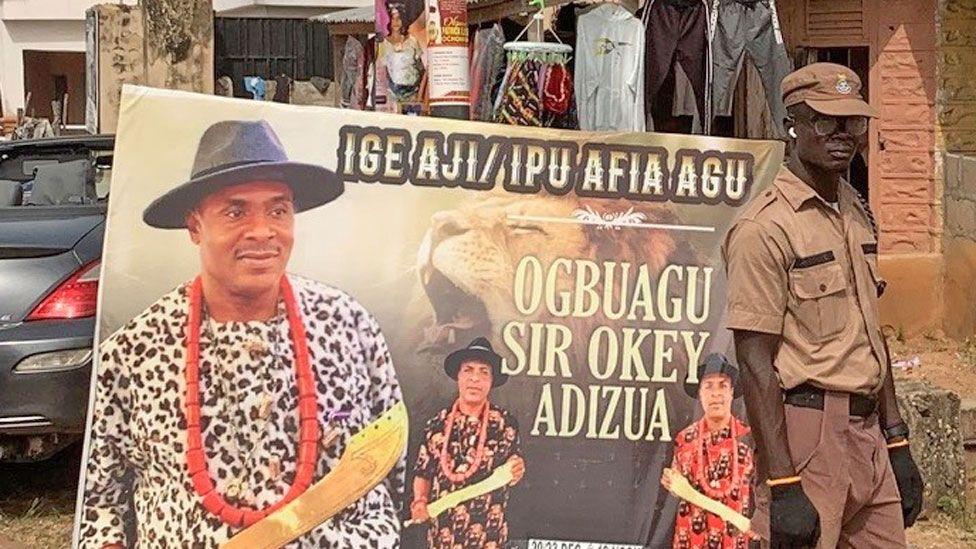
(871, 258)
(819, 293)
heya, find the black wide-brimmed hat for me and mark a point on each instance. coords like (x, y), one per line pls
(232, 152)
(716, 364)
(480, 350)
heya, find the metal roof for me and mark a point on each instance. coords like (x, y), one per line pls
(367, 14)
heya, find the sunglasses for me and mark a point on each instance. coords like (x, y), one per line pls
(853, 125)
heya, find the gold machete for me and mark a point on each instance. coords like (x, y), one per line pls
(369, 456)
(501, 476)
(683, 489)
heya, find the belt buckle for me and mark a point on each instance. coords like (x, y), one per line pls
(869, 404)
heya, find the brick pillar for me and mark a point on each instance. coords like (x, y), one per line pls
(905, 191)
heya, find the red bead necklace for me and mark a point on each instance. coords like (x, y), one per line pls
(196, 459)
(446, 465)
(702, 474)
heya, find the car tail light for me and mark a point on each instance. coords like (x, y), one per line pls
(55, 361)
(76, 297)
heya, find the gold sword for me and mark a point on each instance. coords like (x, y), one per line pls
(680, 487)
(501, 476)
(369, 456)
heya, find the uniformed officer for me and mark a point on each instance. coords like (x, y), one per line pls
(803, 288)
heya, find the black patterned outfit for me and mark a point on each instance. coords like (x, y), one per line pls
(480, 522)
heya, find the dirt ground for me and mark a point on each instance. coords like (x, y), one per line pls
(37, 500)
(941, 361)
(939, 533)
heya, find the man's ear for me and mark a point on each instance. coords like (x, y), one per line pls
(193, 225)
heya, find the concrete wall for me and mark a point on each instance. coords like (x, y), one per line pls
(926, 196)
(156, 45)
(121, 59)
(34, 10)
(956, 107)
(960, 245)
(179, 44)
(59, 25)
(956, 66)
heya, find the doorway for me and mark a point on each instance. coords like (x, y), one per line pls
(55, 76)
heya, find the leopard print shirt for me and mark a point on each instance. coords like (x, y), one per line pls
(137, 491)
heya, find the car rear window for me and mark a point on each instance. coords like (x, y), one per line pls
(46, 178)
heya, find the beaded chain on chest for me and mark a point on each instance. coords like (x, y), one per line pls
(445, 458)
(701, 474)
(238, 486)
(309, 429)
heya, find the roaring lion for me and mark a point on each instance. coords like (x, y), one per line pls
(468, 258)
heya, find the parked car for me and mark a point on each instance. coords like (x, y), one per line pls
(53, 197)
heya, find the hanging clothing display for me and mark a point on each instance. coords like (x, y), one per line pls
(282, 92)
(353, 85)
(369, 73)
(520, 102)
(255, 85)
(748, 25)
(610, 70)
(537, 90)
(684, 100)
(487, 69)
(676, 31)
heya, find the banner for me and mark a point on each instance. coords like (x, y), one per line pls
(401, 56)
(447, 31)
(277, 279)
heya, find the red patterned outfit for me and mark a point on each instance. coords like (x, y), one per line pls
(719, 465)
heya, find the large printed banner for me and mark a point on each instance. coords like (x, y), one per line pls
(279, 282)
(401, 55)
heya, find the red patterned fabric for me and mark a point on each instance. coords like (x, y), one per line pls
(718, 464)
(559, 90)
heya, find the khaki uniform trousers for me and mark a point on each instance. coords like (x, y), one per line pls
(843, 463)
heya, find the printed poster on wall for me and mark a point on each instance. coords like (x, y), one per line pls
(334, 328)
(401, 56)
(447, 32)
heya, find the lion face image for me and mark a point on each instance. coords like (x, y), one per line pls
(468, 258)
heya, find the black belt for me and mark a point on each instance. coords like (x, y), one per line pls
(808, 396)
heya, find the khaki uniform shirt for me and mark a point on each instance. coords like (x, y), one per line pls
(799, 269)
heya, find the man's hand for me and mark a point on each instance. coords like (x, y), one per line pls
(518, 469)
(909, 482)
(793, 520)
(418, 511)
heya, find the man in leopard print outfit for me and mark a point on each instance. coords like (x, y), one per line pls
(238, 208)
